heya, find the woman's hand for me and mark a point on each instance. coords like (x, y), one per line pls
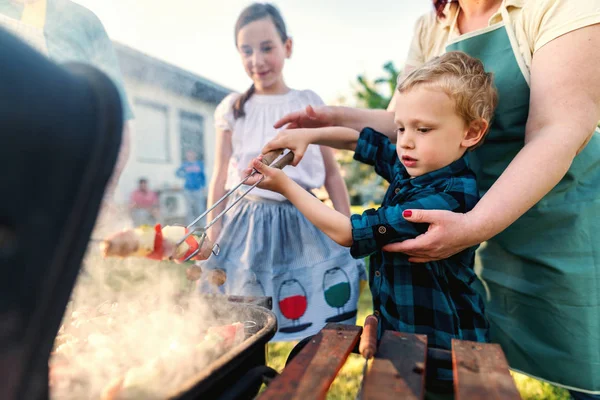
(308, 118)
(273, 178)
(296, 140)
(449, 233)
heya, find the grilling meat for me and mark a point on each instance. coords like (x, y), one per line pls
(158, 243)
(138, 381)
(193, 273)
(218, 277)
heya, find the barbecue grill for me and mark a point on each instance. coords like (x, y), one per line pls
(61, 132)
(243, 365)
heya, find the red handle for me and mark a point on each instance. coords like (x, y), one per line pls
(368, 338)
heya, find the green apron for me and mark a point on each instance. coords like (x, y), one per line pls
(541, 276)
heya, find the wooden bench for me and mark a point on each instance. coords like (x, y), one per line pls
(398, 369)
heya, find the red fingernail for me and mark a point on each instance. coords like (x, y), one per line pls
(406, 213)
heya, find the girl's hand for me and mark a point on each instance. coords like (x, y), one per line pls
(296, 140)
(449, 233)
(274, 179)
(308, 118)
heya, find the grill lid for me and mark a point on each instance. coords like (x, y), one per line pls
(61, 132)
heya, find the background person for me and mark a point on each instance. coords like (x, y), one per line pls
(143, 204)
(192, 170)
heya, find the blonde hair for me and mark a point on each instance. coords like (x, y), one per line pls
(464, 80)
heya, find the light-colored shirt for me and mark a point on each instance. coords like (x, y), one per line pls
(530, 24)
(250, 133)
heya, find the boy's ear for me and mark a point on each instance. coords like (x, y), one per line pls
(475, 132)
(288, 47)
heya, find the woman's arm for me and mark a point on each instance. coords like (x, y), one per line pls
(353, 118)
(216, 189)
(298, 140)
(558, 127)
(564, 110)
(334, 183)
(358, 119)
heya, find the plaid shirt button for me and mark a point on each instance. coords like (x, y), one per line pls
(376, 313)
(377, 273)
(397, 190)
(382, 230)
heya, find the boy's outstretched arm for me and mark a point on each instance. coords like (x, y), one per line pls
(331, 222)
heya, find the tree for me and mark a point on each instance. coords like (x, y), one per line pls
(364, 185)
(369, 94)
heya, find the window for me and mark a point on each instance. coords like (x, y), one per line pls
(151, 132)
(191, 130)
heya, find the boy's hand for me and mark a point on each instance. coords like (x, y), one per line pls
(296, 140)
(274, 179)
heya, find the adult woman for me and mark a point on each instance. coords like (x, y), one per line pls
(538, 171)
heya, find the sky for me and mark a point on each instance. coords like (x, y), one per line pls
(334, 41)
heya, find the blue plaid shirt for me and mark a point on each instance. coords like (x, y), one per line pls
(435, 298)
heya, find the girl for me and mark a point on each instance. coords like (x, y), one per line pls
(314, 281)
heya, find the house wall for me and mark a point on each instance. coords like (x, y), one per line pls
(161, 173)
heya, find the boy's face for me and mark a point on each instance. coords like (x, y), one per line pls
(430, 135)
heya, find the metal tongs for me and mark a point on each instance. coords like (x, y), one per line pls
(271, 159)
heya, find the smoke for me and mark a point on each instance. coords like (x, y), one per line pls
(132, 319)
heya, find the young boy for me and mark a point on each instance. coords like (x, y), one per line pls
(443, 110)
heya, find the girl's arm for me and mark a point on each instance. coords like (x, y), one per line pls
(558, 127)
(334, 183)
(216, 189)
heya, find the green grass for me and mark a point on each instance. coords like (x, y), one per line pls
(347, 383)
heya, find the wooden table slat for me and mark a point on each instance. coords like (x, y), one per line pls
(310, 373)
(481, 372)
(398, 369)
